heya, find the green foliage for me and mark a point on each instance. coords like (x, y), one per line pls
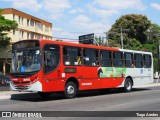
(152, 48)
(5, 27)
(153, 34)
(142, 35)
(149, 47)
(113, 43)
(132, 25)
(155, 63)
(133, 44)
(99, 41)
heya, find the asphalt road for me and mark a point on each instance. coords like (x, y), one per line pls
(144, 99)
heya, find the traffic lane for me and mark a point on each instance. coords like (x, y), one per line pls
(93, 100)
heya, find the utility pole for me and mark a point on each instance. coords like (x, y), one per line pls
(123, 30)
(121, 38)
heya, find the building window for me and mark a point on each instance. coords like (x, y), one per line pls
(13, 16)
(39, 25)
(32, 35)
(46, 29)
(42, 27)
(13, 32)
(27, 22)
(27, 35)
(38, 36)
(32, 23)
(22, 34)
(22, 20)
(19, 19)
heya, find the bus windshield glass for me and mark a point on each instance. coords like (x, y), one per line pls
(26, 59)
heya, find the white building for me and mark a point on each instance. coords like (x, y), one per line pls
(29, 27)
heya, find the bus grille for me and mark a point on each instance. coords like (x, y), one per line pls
(26, 82)
(21, 87)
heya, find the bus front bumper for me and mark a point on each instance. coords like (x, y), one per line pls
(35, 87)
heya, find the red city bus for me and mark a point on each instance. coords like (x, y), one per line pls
(47, 66)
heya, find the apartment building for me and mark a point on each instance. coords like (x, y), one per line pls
(29, 27)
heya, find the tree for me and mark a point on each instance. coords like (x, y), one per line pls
(113, 43)
(133, 44)
(99, 41)
(153, 34)
(153, 40)
(5, 27)
(135, 25)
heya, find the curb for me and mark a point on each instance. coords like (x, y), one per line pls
(5, 97)
(7, 94)
(149, 85)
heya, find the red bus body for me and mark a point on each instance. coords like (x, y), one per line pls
(85, 77)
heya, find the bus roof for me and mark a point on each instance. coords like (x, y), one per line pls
(42, 41)
(78, 45)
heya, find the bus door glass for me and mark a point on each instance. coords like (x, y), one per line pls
(51, 58)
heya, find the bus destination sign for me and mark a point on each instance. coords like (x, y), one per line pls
(86, 39)
(25, 44)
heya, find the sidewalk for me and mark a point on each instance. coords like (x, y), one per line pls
(149, 85)
(7, 94)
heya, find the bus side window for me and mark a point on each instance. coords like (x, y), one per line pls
(106, 58)
(147, 61)
(118, 59)
(72, 56)
(79, 57)
(128, 60)
(138, 60)
(91, 57)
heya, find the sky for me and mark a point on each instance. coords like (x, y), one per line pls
(72, 18)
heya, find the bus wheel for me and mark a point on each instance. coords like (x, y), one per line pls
(128, 85)
(70, 90)
(44, 94)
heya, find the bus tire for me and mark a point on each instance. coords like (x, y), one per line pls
(70, 90)
(44, 94)
(128, 85)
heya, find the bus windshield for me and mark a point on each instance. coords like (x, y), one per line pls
(26, 60)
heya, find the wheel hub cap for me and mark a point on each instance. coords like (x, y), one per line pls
(70, 89)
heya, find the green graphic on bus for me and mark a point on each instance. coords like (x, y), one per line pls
(112, 72)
